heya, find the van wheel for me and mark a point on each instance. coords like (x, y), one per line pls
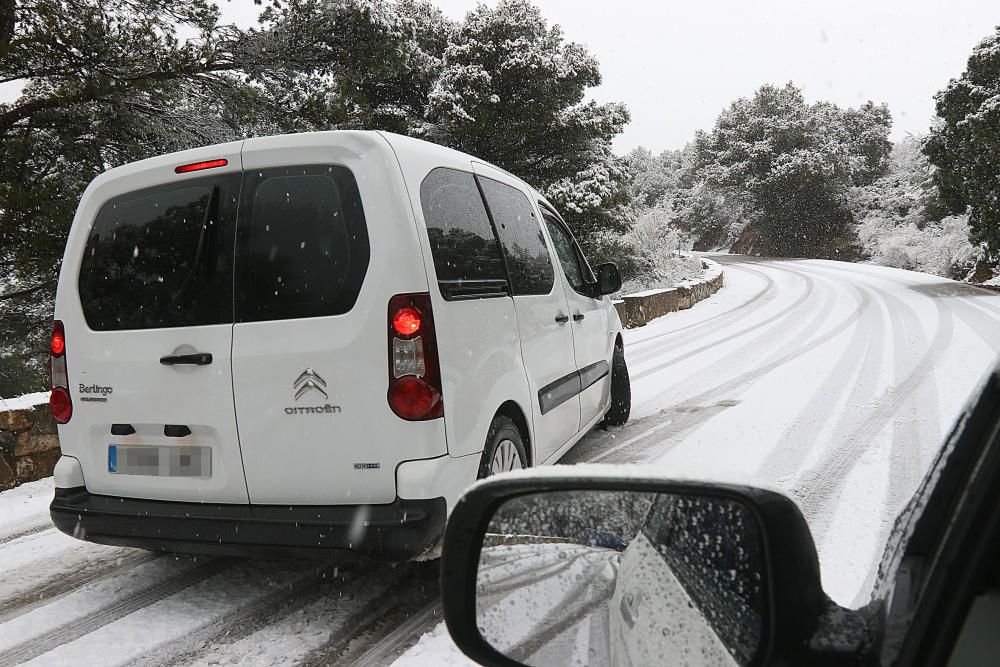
(621, 391)
(504, 449)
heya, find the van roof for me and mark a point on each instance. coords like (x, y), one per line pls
(402, 145)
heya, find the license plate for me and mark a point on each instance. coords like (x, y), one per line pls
(160, 461)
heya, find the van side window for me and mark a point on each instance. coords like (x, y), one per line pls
(304, 245)
(162, 257)
(465, 250)
(521, 237)
(567, 254)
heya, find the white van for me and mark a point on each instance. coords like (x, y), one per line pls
(317, 342)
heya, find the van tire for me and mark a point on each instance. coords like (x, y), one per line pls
(504, 436)
(621, 391)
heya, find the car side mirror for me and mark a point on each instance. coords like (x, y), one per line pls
(587, 567)
(609, 278)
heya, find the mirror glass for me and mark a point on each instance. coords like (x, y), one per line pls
(609, 278)
(592, 577)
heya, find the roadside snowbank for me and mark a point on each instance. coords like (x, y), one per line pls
(24, 402)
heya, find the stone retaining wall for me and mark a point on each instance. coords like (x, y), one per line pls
(29, 446)
(635, 310)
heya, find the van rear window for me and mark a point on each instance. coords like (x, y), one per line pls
(304, 247)
(162, 257)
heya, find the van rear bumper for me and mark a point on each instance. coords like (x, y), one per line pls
(394, 532)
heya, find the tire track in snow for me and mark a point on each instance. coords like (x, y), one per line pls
(905, 471)
(42, 565)
(818, 485)
(245, 620)
(402, 638)
(767, 323)
(700, 408)
(376, 620)
(594, 592)
(910, 445)
(680, 418)
(978, 321)
(119, 609)
(715, 322)
(80, 575)
(527, 576)
(34, 530)
(792, 450)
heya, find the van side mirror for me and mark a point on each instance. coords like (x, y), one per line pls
(609, 278)
(664, 570)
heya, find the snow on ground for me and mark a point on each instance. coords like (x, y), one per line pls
(24, 508)
(834, 382)
(299, 633)
(434, 648)
(24, 402)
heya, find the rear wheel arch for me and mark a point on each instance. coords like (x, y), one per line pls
(516, 415)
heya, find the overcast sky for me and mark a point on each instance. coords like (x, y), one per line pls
(678, 64)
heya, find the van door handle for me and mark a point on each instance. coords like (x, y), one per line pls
(577, 317)
(197, 359)
(562, 319)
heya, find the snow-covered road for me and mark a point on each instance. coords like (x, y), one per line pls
(836, 382)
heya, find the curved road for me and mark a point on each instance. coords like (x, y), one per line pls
(835, 382)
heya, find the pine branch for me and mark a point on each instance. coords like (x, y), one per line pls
(26, 291)
(6, 25)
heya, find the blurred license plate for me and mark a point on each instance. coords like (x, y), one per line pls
(160, 461)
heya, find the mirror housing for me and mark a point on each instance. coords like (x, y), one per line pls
(609, 278)
(795, 606)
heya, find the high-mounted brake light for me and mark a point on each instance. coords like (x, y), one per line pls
(59, 401)
(414, 370)
(198, 166)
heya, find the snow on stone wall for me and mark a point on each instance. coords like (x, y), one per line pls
(639, 308)
(29, 443)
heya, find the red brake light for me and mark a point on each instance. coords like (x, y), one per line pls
(58, 342)
(198, 166)
(414, 371)
(62, 406)
(406, 321)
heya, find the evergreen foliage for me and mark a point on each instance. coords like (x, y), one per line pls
(965, 145)
(107, 82)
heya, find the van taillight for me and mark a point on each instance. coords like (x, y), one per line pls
(62, 406)
(414, 370)
(59, 401)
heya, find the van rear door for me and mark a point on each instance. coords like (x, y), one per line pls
(148, 349)
(310, 345)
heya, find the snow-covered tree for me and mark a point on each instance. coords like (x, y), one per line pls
(107, 82)
(787, 166)
(902, 223)
(512, 91)
(347, 64)
(965, 144)
(655, 177)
